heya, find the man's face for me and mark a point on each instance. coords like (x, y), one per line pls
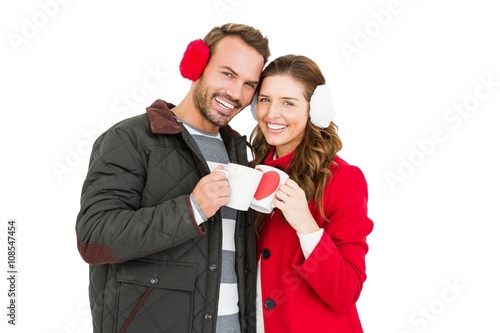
(228, 82)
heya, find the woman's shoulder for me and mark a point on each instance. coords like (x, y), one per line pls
(347, 184)
(342, 169)
(340, 163)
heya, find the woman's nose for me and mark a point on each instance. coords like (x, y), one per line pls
(274, 111)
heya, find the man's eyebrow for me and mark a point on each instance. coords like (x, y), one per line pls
(234, 73)
(229, 69)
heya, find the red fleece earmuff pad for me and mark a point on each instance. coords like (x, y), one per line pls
(194, 60)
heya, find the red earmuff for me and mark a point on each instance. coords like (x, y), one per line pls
(194, 60)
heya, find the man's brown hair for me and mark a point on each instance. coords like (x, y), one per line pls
(248, 34)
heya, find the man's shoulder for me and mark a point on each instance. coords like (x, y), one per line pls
(155, 115)
(132, 129)
(131, 124)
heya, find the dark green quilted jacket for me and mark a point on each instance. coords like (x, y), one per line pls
(152, 268)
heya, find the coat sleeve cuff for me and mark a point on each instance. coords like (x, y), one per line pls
(198, 214)
(197, 219)
(308, 242)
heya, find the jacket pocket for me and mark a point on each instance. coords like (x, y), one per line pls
(155, 297)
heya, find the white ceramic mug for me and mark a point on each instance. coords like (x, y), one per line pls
(243, 182)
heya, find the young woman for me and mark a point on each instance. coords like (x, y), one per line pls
(312, 247)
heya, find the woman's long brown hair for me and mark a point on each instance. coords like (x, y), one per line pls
(310, 166)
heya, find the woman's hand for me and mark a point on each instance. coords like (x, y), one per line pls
(291, 200)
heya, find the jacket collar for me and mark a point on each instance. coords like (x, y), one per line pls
(284, 162)
(281, 162)
(161, 119)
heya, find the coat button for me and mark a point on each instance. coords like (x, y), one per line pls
(208, 316)
(213, 267)
(154, 280)
(269, 304)
(266, 253)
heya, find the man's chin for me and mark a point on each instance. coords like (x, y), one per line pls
(221, 123)
(221, 119)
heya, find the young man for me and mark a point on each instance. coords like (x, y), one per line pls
(165, 253)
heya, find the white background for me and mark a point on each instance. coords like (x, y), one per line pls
(400, 71)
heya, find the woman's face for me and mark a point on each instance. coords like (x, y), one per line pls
(282, 112)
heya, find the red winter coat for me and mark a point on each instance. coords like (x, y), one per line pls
(318, 294)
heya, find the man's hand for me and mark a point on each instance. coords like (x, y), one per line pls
(212, 191)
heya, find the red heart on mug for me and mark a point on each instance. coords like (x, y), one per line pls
(268, 184)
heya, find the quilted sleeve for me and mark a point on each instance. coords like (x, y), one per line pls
(112, 226)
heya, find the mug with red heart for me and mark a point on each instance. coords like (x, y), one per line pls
(271, 181)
